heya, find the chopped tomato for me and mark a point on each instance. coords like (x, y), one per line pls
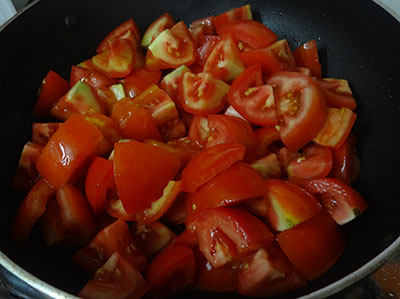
(346, 164)
(201, 28)
(99, 178)
(223, 62)
(177, 212)
(268, 166)
(42, 132)
(231, 186)
(249, 32)
(246, 231)
(67, 151)
(235, 14)
(187, 238)
(139, 163)
(206, 45)
(52, 89)
(208, 163)
(288, 204)
(307, 56)
(199, 132)
(161, 205)
(171, 272)
(116, 209)
(286, 156)
(300, 106)
(253, 100)
(337, 93)
(158, 26)
(90, 77)
(268, 273)
(114, 238)
(341, 201)
(139, 80)
(277, 57)
(32, 207)
(152, 237)
(264, 138)
(53, 231)
(76, 214)
(117, 279)
(171, 83)
(313, 246)
(81, 98)
(315, 162)
(202, 94)
(174, 47)
(27, 175)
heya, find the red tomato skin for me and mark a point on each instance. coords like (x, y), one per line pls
(32, 207)
(140, 162)
(207, 44)
(171, 272)
(160, 24)
(199, 132)
(322, 243)
(307, 56)
(139, 80)
(264, 138)
(208, 163)
(53, 231)
(90, 77)
(42, 132)
(66, 151)
(239, 13)
(231, 186)
(117, 278)
(52, 89)
(341, 201)
(306, 119)
(333, 95)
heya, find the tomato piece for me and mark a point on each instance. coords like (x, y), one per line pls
(341, 201)
(208, 163)
(52, 89)
(90, 77)
(286, 156)
(275, 58)
(135, 123)
(264, 138)
(313, 246)
(81, 98)
(116, 209)
(127, 31)
(337, 127)
(268, 166)
(251, 33)
(288, 204)
(211, 279)
(307, 56)
(53, 231)
(171, 83)
(187, 238)
(337, 93)
(207, 44)
(153, 237)
(231, 186)
(139, 80)
(246, 231)
(117, 61)
(235, 14)
(201, 28)
(202, 94)
(159, 25)
(26, 174)
(225, 129)
(346, 164)
(255, 103)
(114, 238)
(42, 132)
(301, 107)
(117, 278)
(315, 162)
(199, 131)
(223, 62)
(160, 206)
(171, 272)
(76, 214)
(174, 47)
(268, 273)
(99, 178)
(139, 162)
(31, 208)
(67, 151)
(177, 212)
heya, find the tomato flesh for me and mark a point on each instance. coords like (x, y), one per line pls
(307, 56)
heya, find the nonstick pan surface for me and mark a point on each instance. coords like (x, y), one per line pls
(357, 40)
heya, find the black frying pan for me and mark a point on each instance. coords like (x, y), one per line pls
(357, 40)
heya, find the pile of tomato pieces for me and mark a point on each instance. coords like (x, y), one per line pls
(209, 157)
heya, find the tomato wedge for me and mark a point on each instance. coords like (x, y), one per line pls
(337, 93)
(90, 77)
(158, 26)
(239, 13)
(264, 138)
(42, 132)
(208, 163)
(307, 56)
(254, 101)
(341, 201)
(139, 80)
(301, 107)
(171, 83)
